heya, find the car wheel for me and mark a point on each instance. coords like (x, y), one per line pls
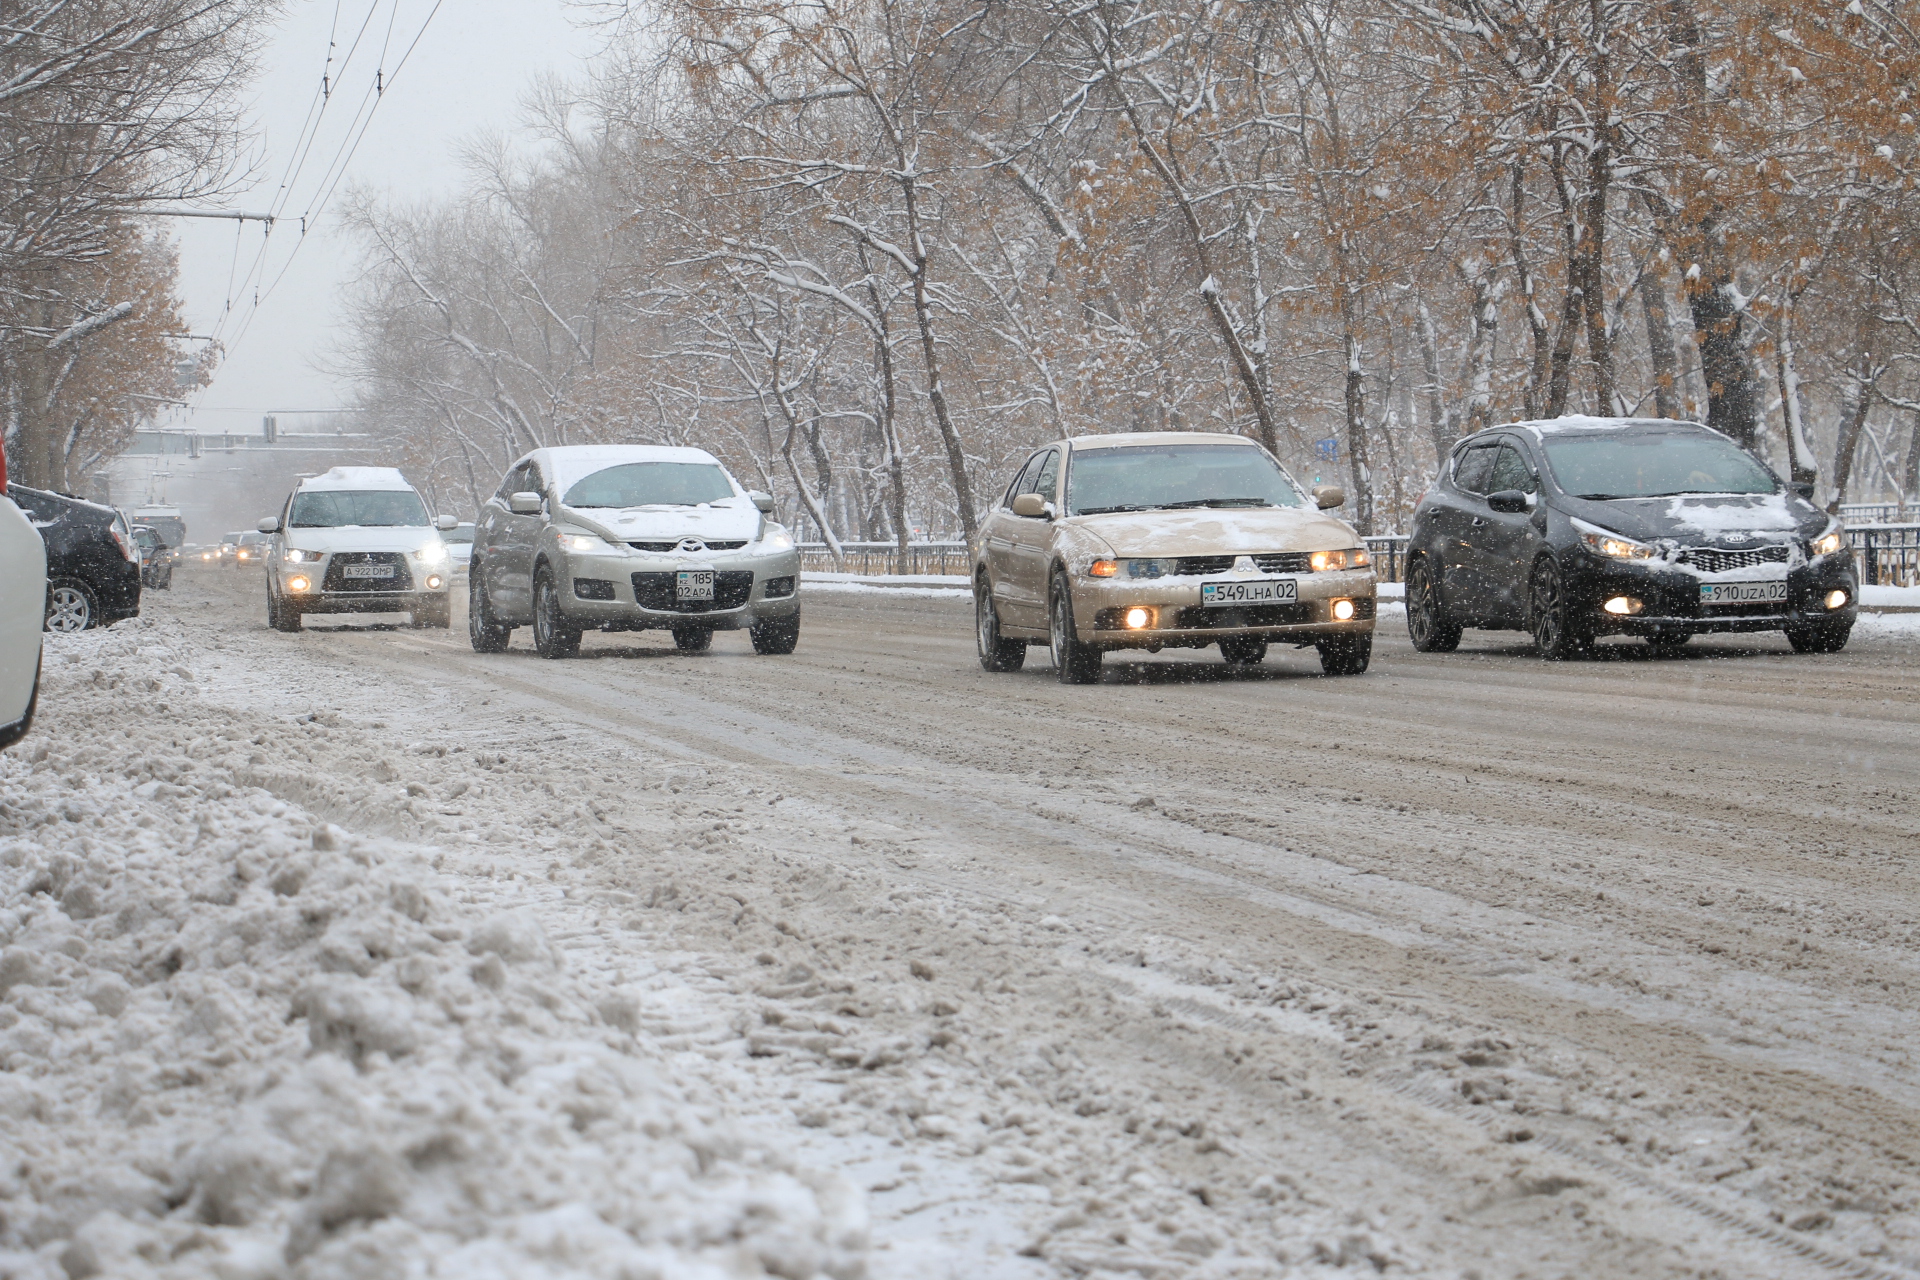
(1666, 643)
(434, 614)
(487, 635)
(776, 635)
(997, 653)
(1821, 637)
(693, 639)
(1345, 655)
(1244, 651)
(1428, 625)
(70, 606)
(1555, 633)
(1073, 662)
(553, 637)
(282, 615)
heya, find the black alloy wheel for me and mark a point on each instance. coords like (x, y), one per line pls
(70, 606)
(997, 653)
(1244, 651)
(693, 639)
(1073, 662)
(776, 636)
(1428, 625)
(553, 636)
(487, 635)
(1820, 637)
(1556, 633)
(1345, 655)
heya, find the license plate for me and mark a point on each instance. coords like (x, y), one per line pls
(369, 570)
(693, 584)
(1263, 591)
(1742, 592)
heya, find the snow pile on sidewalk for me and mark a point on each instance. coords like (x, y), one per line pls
(235, 1042)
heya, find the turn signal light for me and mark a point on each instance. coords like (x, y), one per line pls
(1342, 610)
(297, 583)
(1622, 606)
(1836, 599)
(1138, 619)
(1103, 568)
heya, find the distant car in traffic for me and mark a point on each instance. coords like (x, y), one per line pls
(630, 538)
(93, 566)
(23, 577)
(459, 541)
(357, 540)
(1576, 528)
(251, 549)
(223, 554)
(156, 558)
(165, 521)
(1167, 540)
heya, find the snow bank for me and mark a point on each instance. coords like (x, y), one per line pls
(237, 1042)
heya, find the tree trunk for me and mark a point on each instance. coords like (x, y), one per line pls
(1719, 326)
(1534, 397)
(1666, 363)
(1910, 481)
(1606, 393)
(889, 405)
(1801, 464)
(1480, 350)
(1560, 363)
(930, 354)
(1437, 426)
(1853, 420)
(1357, 438)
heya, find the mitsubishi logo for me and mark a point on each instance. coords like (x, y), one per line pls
(692, 544)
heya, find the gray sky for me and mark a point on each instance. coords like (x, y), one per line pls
(467, 74)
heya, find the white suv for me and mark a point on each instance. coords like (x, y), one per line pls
(357, 540)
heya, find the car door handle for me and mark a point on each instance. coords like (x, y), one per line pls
(1478, 522)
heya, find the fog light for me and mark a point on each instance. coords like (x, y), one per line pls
(1621, 606)
(1139, 619)
(1342, 610)
(1835, 599)
(433, 581)
(297, 583)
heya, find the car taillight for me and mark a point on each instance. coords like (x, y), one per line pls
(127, 548)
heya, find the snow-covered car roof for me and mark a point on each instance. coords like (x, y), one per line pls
(385, 479)
(1139, 439)
(565, 465)
(1577, 423)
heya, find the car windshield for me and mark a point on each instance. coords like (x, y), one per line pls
(1159, 477)
(1654, 466)
(651, 484)
(345, 508)
(459, 533)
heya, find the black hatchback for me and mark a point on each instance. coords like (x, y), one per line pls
(1581, 527)
(93, 566)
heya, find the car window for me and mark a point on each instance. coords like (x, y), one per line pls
(1160, 477)
(1510, 471)
(36, 505)
(1019, 485)
(1654, 465)
(534, 482)
(651, 484)
(460, 533)
(1473, 468)
(1046, 482)
(375, 508)
(513, 482)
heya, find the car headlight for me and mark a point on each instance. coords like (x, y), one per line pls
(1349, 558)
(1604, 542)
(1829, 542)
(589, 543)
(776, 539)
(1152, 568)
(294, 555)
(432, 553)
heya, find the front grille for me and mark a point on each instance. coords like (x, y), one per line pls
(1712, 560)
(1201, 617)
(1203, 564)
(733, 545)
(1285, 562)
(731, 588)
(337, 579)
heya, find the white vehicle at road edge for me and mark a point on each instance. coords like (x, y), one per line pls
(357, 540)
(23, 577)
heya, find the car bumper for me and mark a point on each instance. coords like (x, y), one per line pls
(1178, 619)
(428, 589)
(634, 593)
(1669, 599)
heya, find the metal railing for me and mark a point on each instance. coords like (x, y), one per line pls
(884, 558)
(1887, 555)
(1389, 551)
(1878, 512)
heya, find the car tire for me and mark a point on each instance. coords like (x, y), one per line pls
(434, 614)
(1668, 643)
(486, 634)
(70, 606)
(553, 635)
(997, 653)
(776, 636)
(1345, 655)
(1244, 651)
(693, 639)
(1428, 625)
(1073, 662)
(1556, 633)
(1820, 637)
(282, 615)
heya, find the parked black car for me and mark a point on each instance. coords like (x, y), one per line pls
(1581, 527)
(156, 558)
(93, 566)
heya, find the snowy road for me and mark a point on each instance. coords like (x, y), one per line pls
(1473, 965)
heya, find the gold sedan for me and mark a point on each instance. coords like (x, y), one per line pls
(1167, 540)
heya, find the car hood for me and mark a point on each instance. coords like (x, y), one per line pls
(361, 538)
(1707, 519)
(716, 523)
(1214, 531)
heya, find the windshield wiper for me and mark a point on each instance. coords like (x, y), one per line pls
(1601, 497)
(1215, 502)
(1101, 511)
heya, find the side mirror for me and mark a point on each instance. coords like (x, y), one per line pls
(524, 504)
(1030, 505)
(1507, 501)
(763, 501)
(1803, 488)
(447, 524)
(1329, 496)
(270, 525)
